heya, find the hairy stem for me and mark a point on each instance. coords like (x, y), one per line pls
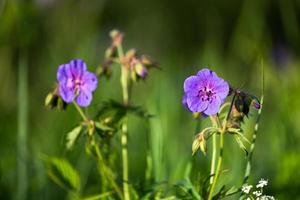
(125, 81)
(84, 117)
(220, 159)
(106, 171)
(249, 158)
(100, 161)
(214, 150)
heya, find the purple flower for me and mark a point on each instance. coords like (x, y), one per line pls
(204, 92)
(76, 82)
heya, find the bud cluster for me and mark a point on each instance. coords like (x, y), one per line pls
(138, 65)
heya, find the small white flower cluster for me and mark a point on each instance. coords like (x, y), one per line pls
(262, 183)
(258, 193)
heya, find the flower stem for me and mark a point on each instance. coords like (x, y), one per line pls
(219, 166)
(84, 117)
(99, 157)
(105, 170)
(214, 151)
(124, 135)
(220, 159)
(249, 157)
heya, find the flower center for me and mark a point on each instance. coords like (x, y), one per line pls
(77, 84)
(206, 94)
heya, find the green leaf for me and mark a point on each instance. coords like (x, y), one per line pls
(72, 136)
(186, 190)
(118, 110)
(239, 133)
(62, 173)
(240, 143)
(103, 127)
(231, 191)
(99, 196)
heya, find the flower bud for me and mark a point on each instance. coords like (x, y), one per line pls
(117, 37)
(256, 104)
(53, 100)
(199, 143)
(111, 52)
(146, 61)
(105, 69)
(140, 70)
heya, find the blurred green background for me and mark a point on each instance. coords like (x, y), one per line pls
(231, 37)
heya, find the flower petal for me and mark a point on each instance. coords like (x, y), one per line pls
(213, 107)
(184, 102)
(222, 89)
(195, 104)
(84, 98)
(67, 94)
(192, 84)
(63, 73)
(90, 81)
(78, 67)
(206, 73)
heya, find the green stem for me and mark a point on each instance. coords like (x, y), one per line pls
(84, 117)
(100, 160)
(106, 171)
(249, 158)
(125, 160)
(220, 159)
(124, 136)
(219, 166)
(214, 151)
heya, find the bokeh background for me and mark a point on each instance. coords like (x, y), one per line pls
(232, 37)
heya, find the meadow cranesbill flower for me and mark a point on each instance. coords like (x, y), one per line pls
(205, 92)
(75, 82)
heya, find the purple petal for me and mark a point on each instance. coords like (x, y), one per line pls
(90, 81)
(192, 84)
(195, 104)
(184, 102)
(84, 98)
(213, 107)
(78, 67)
(222, 89)
(206, 73)
(256, 104)
(143, 72)
(63, 73)
(67, 94)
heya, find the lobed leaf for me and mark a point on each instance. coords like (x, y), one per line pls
(72, 137)
(62, 173)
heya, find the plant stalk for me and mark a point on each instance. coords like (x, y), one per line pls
(220, 159)
(107, 174)
(100, 161)
(249, 157)
(214, 151)
(125, 81)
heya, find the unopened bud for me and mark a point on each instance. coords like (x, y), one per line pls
(141, 70)
(117, 37)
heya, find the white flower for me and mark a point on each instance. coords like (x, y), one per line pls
(266, 197)
(246, 188)
(262, 183)
(257, 193)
